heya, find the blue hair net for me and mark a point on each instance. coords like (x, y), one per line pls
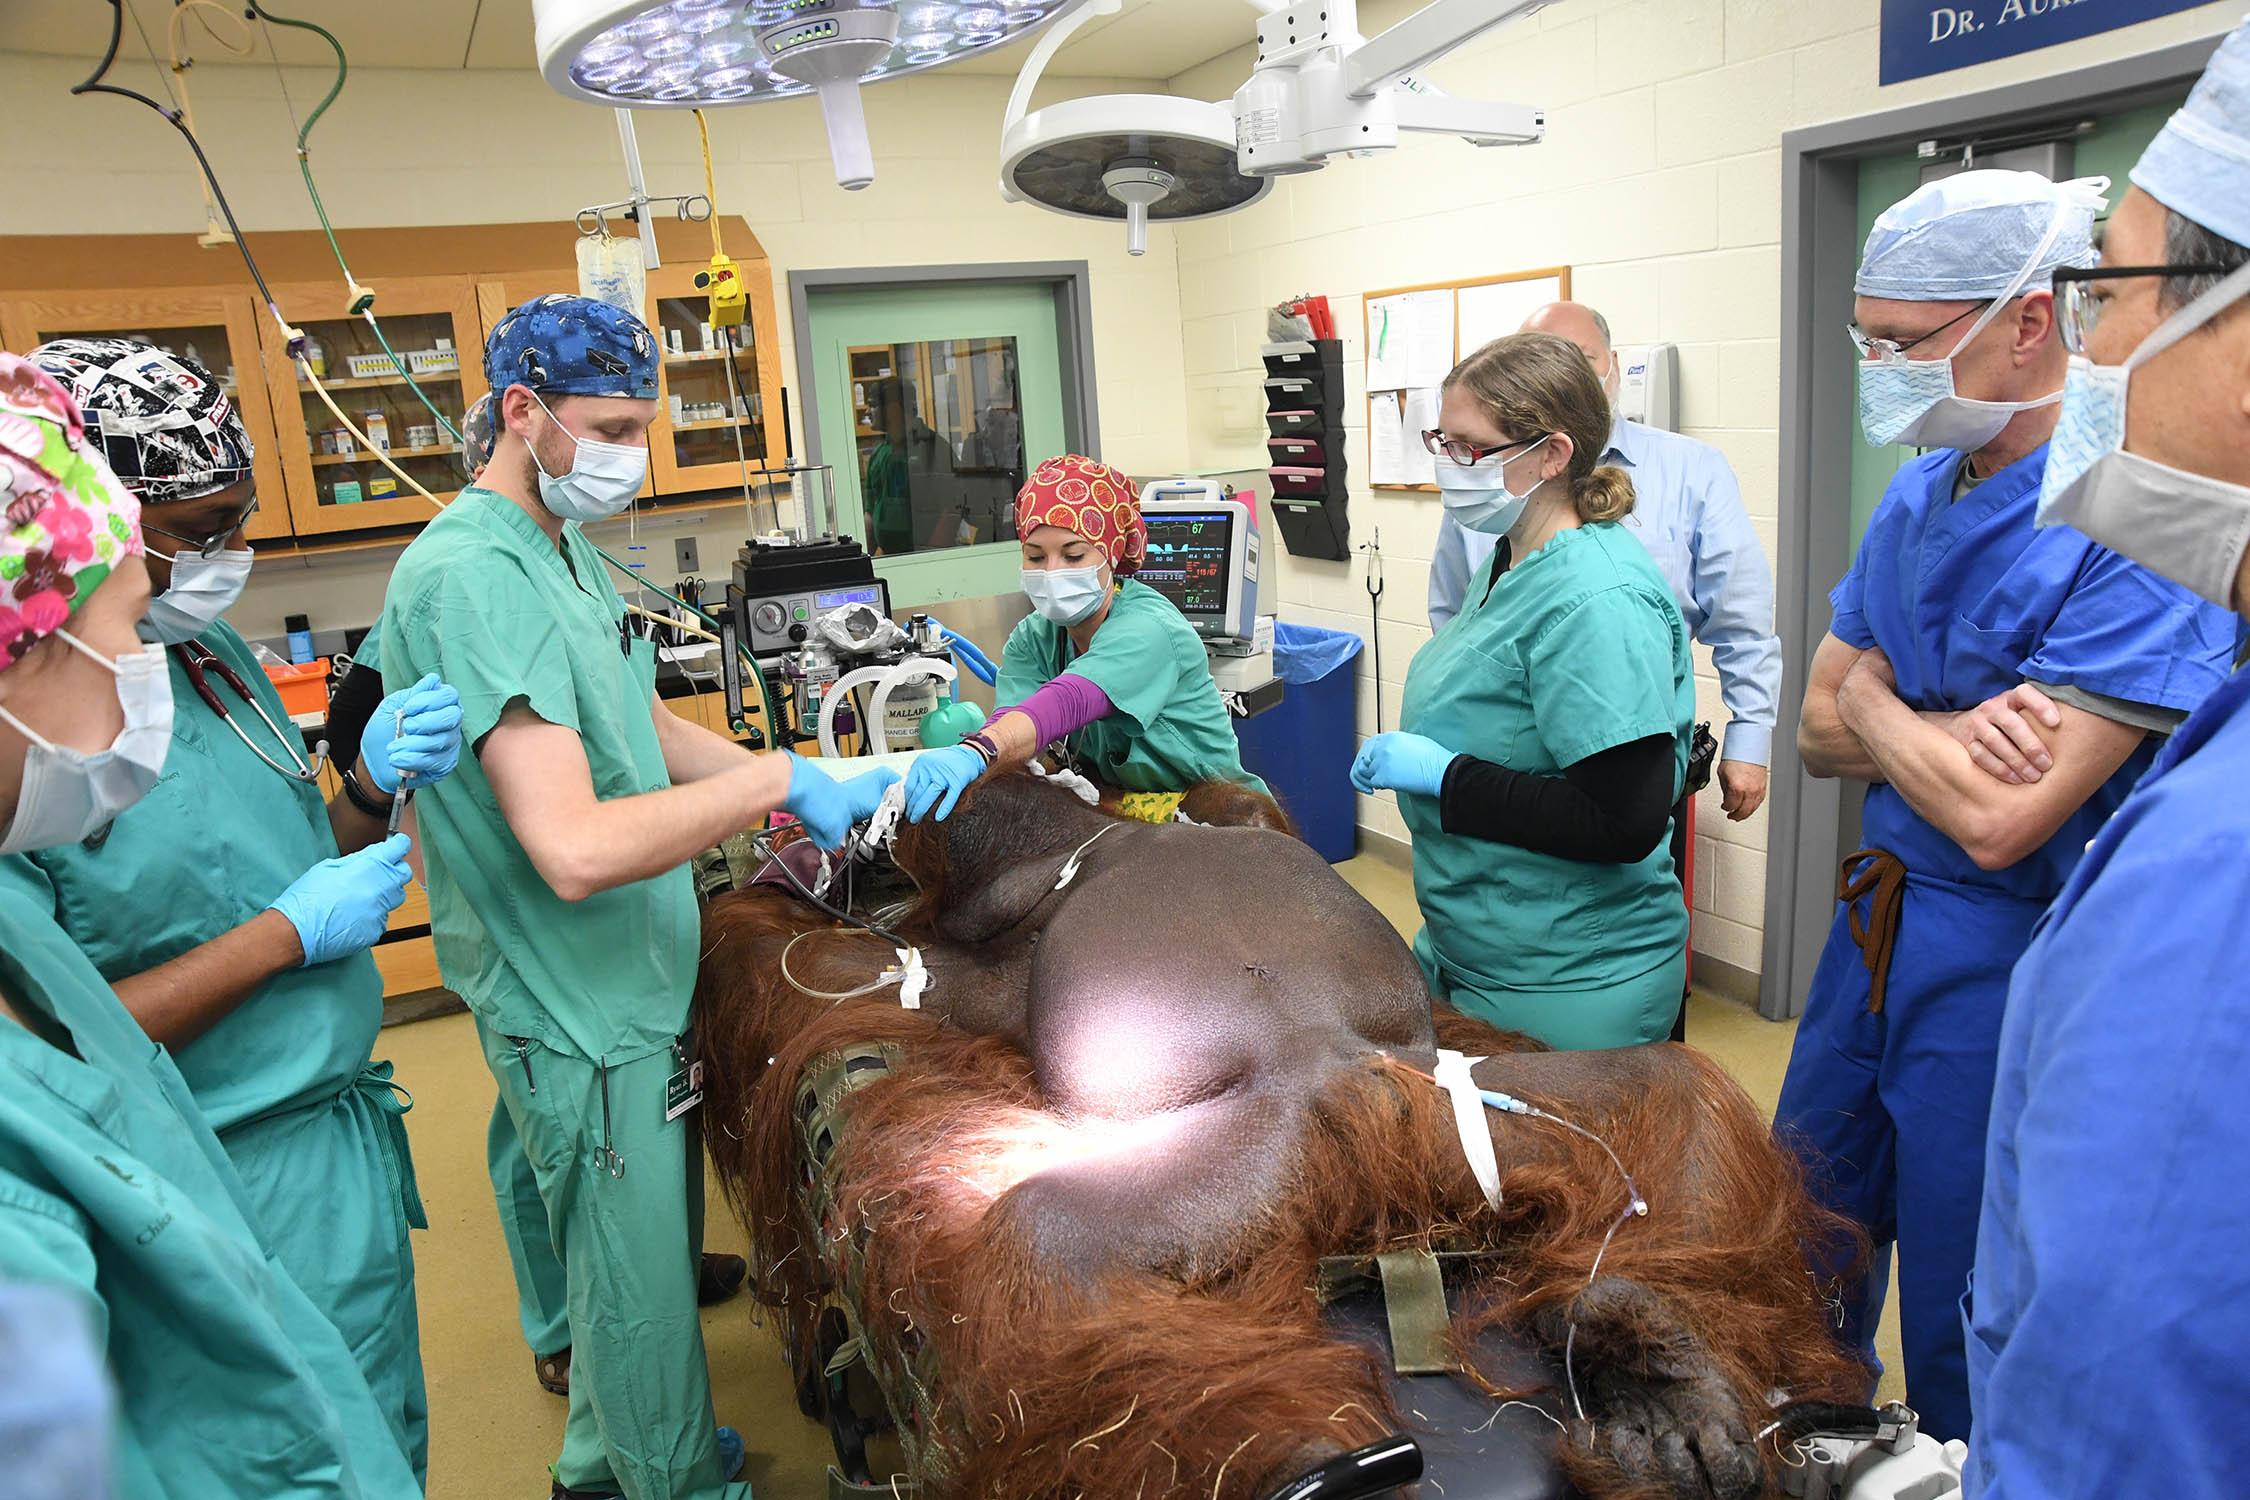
(1968, 237)
(2199, 164)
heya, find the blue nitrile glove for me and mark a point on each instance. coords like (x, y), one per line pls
(341, 906)
(938, 778)
(733, 1452)
(827, 807)
(1399, 762)
(427, 746)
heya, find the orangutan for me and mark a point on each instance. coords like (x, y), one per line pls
(1160, 1072)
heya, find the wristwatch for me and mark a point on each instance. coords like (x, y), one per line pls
(365, 800)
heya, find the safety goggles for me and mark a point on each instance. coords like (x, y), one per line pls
(207, 546)
(2081, 305)
(1464, 452)
(1873, 348)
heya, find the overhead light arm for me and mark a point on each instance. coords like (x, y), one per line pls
(1423, 38)
(1477, 121)
(1059, 31)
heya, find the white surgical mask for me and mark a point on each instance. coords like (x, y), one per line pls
(603, 477)
(1477, 495)
(1066, 595)
(201, 590)
(1913, 401)
(2191, 528)
(68, 794)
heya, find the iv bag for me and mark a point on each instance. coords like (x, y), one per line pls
(611, 270)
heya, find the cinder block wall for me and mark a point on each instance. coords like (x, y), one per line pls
(1660, 185)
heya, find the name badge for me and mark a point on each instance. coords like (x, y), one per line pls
(683, 1091)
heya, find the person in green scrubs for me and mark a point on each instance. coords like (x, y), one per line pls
(251, 962)
(113, 1188)
(1544, 731)
(1103, 665)
(560, 897)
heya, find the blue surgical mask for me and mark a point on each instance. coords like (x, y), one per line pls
(603, 478)
(2190, 528)
(1477, 495)
(201, 590)
(67, 794)
(1066, 596)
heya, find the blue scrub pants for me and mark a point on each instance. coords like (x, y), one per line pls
(1889, 1110)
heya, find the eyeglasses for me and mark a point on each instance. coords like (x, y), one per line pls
(1873, 348)
(1464, 452)
(2082, 306)
(211, 546)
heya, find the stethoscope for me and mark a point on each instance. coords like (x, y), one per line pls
(196, 659)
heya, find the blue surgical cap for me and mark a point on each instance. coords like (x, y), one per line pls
(1968, 237)
(2199, 164)
(565, 345)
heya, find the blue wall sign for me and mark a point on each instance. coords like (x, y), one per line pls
(1921, 37)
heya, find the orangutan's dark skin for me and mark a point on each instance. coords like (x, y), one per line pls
(1227, 992)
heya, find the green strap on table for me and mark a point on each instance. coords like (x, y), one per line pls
(1414, 1301)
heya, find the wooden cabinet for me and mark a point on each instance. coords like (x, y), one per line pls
(216, 328)
(433, 287)
(721, 397)
(335, 484)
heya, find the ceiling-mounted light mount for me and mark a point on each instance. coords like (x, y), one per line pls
(680, 54)
(1318, 90)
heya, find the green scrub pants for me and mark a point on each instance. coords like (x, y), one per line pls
(347, 1249)
(1625, 1014)
(628, 1240)
(542, 1297)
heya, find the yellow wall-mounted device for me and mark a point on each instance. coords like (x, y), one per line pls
(730, 299)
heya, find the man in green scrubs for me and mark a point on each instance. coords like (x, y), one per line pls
(560, 898)
(112, 1186)
(251, 961)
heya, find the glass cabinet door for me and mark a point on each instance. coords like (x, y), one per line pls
(721, 405)
(218, 330)
(336, 481)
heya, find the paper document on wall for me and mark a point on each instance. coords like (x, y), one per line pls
(1500, 307)
(1386, 439)
(1420, 416)
(1409, 340)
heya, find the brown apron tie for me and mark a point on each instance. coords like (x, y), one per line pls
(1878, 873)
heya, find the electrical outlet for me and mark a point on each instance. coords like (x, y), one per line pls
(684, 556)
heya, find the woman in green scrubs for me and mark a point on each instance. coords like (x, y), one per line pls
(1545, 730)
(112, 1186)
(1104, 664)
(250, 960)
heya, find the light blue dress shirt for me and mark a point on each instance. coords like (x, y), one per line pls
(1688, 513)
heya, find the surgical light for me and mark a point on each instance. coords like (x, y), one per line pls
(1318, 90)
(678, 54)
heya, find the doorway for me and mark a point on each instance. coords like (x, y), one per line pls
(1828, 487)
(932, 399)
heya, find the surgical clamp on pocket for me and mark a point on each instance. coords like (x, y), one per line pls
(606, 1157)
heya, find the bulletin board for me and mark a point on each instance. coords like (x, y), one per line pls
(1413, 337)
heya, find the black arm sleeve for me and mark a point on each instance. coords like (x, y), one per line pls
(1610, 808)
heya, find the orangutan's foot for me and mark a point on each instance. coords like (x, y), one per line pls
(1658, 1410)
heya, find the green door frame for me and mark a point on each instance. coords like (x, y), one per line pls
(971, 572)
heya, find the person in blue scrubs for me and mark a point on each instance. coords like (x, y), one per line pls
(252, 961)
(1958, 629)
(2111, 1305)
(114, 1193)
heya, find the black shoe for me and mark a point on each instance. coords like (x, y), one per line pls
(720, 1277)
(563, 1491)
(553, 1371)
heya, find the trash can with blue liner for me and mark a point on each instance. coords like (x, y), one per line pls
(1303, 746)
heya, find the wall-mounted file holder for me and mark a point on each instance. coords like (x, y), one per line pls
(1304, 387)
